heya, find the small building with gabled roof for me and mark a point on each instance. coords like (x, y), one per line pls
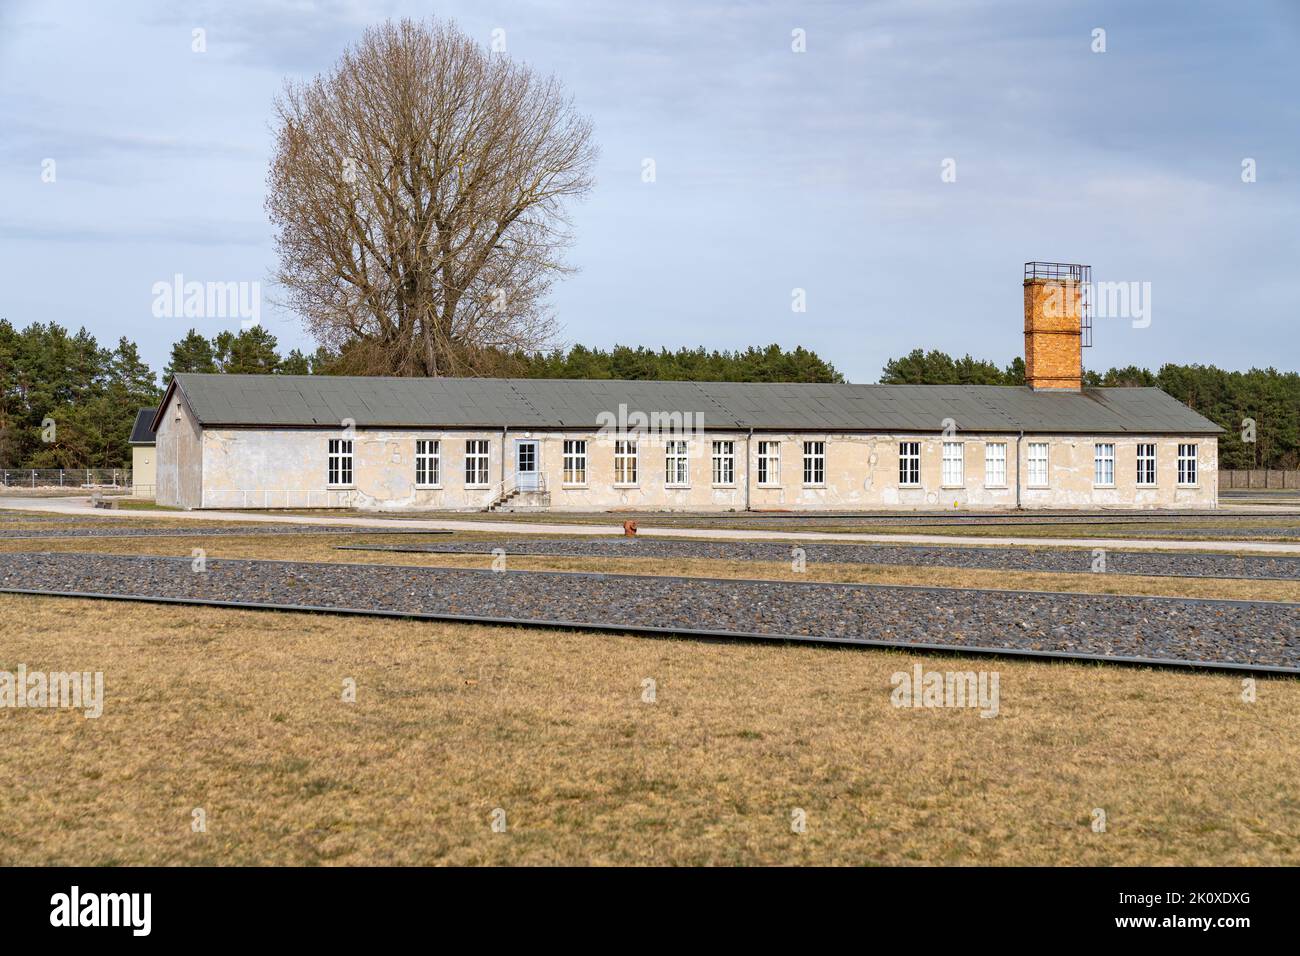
(143, 454)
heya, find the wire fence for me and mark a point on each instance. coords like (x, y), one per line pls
(66, 478)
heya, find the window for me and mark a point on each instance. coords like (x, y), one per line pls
(909, 463)
(954, 464)
(340, 461)
(769, 463)
(1187, 464)
(575, 461)
(724, 462)
(526, 463)
(624, 461)
(1146, 459)
(995, 465)
(1103, 465)
(426, 463)
(476, 462)
(814, 463)
(677, 466)
(1038, 464)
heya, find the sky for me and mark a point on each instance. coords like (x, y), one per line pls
(899, 171)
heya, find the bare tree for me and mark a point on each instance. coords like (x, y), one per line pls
(418, 192)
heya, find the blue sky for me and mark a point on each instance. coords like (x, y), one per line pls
(775, 170)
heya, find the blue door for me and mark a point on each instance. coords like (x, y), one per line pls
(526, 464)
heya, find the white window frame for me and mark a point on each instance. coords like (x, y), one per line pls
(677, 463)
(339, 472)
(724, 464)
(1103, 464)
(1187, 465)
(478, 451)
(428, 461)
(769, 464)
(953, 465)
(627, 455)
(1039, 465)
(1147, 459)
(995, 464)
(814, 464)
(909, 451)
(574, 463)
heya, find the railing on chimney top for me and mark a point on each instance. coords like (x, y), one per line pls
(1075, 272)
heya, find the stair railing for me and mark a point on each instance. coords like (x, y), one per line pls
(500, 492)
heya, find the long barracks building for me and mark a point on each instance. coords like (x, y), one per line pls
(289, 441)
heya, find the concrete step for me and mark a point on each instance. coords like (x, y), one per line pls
(524, 501)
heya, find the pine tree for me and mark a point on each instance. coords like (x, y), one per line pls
(191, 354)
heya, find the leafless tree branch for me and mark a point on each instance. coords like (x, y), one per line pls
(419, 195)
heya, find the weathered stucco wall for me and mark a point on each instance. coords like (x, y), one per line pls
(863, 472)
(179, 447)
(278, 468)
(287, 468)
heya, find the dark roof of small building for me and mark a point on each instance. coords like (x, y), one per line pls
(142, 433)
(267, 401)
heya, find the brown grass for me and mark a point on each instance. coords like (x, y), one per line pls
(240, 713)
(1212, 525)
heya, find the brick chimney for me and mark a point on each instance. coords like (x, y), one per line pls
(1058, 324)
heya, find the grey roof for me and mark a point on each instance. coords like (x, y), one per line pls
(142, 430)
(326, 400)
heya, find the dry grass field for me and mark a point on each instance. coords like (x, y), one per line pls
(241, 713)
(1210, 525)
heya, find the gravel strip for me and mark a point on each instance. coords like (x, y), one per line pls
(198, 530)
(1168, 630)
(1225, 534)
(1138, 527)
(201, 531)
(940, 517)
(1148, 527)
(1183, 564)
(937, 518)
(33, 516)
